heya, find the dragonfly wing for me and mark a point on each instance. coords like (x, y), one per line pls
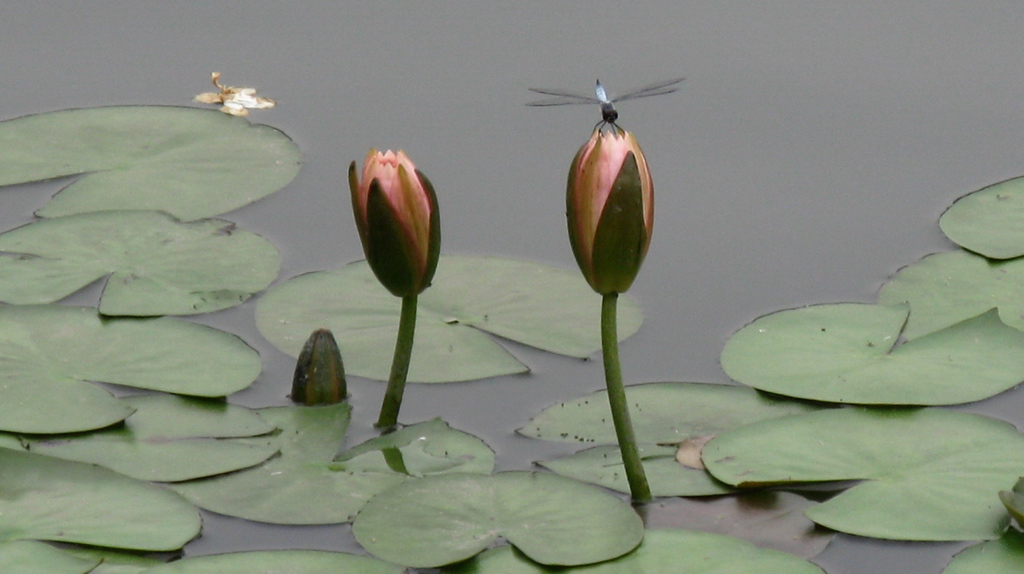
(561, 98)
(655, 89)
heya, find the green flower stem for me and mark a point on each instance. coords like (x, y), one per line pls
(617, 398)
(399, 365)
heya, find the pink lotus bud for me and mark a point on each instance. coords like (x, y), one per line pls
(396, 214)
(610, 207)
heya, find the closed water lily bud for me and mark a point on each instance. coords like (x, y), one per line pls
(610, 208)
(319, 373)
(396, 214)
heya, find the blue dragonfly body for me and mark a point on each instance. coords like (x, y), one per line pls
(608, 112)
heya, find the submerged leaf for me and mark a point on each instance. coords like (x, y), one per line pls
(533, 304)
(190, 163)
(848, 353)
(928, 474)
(156, 264)
(442, 519)
(48, 352)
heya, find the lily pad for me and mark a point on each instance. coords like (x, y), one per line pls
(662, 551)
(1002, 556)
(537, 305)
(32, 557)
(848, 353)
(168, 439)
(278, 562)
(304, 486)
(928, 474)
(602, 465)
(46, 498)
(989, 221)
(446, 518)
(946, 288)
(1013, 500)
(48, 352)
(156, 264)
(114, 562)
(662, 413)
(190, 163)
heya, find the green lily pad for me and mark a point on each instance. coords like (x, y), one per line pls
(1013, 500)
(188, 162)
(989, 221)
(946, 288)
(48, 352)
(46, 498)
(419, 450)
(765, 518)
(662, 551)
(848, 353)
(537, 305)
(32, 557)
(662, 413)
(602, 465)
(278, 562)
(304, 486)
(168, 439)
(114, 562)
(1002, 556)
(156, 264)
(928, 474)
(442, 519)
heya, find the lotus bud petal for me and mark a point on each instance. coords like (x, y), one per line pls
(397, 217)
(610, 210)
(319, 373)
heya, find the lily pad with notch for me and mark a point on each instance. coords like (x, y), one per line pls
(168, 439)
(49, 352)
(928, 474)
(156, 264)
(188, 162)
(304, 486)
(989, 221)
(1002, 556)
(442, 519)
(850, 353)
(661, 551)
(537, 305)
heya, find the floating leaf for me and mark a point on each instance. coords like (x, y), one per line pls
(765, 518)
(156, 264)
(929, 474)
(188, 162)
(848, 353)
(168, 439)
(1013, 500)
(1002, 556)
(31, 557)
(47, 352)
(304, 486)
(663, 413)
(278, 562)
(534, 304)
(946, 288)
(113, 562)
(442, 519)
(989, 221)
(662, 551)
(603, 466)
(419, 450)
(47, 498)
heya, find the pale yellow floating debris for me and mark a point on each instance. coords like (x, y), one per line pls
(234, 101)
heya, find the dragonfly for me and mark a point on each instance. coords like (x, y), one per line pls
(608, 112)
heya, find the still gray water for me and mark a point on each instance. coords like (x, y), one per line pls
(806, 158)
